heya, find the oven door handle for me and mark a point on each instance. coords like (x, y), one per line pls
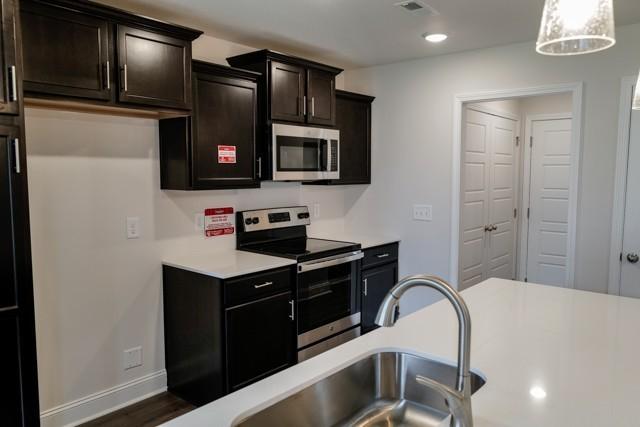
(329, 262)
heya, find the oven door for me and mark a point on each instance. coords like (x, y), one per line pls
(327, 297)
(305, 153)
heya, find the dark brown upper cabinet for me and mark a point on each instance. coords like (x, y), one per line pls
(321, 94)
(353, 119)
(9, 93)
(155, 69)
(65, 53)
(287, 92)
(214, 148)
(85, 51)
(295, 90)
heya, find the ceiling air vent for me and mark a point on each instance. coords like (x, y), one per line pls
(418, 7)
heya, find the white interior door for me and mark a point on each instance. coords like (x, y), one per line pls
(549, 192)
(488, 198)
(630, 270)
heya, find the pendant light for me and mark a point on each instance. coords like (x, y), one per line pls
(636, 96)
(573, 27)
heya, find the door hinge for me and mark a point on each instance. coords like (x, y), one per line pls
(517, 141)
(515, 213)
(528, 213)
(531, 141)
(526, 280)
(620, 256)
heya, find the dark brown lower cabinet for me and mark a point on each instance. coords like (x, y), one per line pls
(259, 339)
(221, 335)
(377, 280)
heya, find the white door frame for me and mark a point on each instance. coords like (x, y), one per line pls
(620, 186)
(459, 100)
(523, 231)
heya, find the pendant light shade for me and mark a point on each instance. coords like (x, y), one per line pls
(636, 96)
(573, 27)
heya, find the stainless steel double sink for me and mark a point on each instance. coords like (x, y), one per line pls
(378, 390)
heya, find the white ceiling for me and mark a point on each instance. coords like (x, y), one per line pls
(360, 32)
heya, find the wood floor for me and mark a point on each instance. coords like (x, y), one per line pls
(146, 413)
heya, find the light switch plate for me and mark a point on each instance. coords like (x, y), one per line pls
(422, 212)
(133, 227)
(132, 358)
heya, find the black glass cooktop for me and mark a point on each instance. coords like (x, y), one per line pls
(303, 249)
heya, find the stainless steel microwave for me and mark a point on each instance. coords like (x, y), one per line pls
(302, 153)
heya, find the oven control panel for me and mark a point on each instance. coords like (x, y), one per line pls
(267, 219)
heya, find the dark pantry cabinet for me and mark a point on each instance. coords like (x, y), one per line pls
(240, 330)
(379, 275)
(194, 151)
(83, 50)
(18, 367)
(294, 89)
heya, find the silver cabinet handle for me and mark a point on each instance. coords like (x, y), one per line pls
(292, 316)
(366, 287)
(108, 75)
(265, 284)
(633, 258)
(259, 167)
(304, 105)
(16, 154)
(313, 106)
(382, 255)
(124, 77)
(13, 84)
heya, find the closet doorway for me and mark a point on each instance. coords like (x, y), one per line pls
(517, 193)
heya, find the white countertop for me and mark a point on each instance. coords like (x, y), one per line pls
(223, 265)
(365, 240)
(582, 348)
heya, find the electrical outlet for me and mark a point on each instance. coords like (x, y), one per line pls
(132, 358)
(422, 212)
(199, 222)
(316, 210)
(133, 227)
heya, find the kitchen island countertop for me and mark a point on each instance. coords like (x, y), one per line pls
(578, 352)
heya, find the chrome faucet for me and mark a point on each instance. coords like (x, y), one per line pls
(458, 400)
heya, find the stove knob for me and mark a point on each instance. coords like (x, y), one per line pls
(247, 221)
(255, 220)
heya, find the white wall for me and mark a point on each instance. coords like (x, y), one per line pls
(96, 292)
(412, 143)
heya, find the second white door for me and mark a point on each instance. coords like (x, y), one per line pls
(547, 246)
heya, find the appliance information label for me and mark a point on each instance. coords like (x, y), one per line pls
(218, 222)
(226, 153)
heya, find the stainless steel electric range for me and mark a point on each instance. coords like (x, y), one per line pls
(327, 303)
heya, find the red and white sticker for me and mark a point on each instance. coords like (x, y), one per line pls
(218, 222)
(226, 153)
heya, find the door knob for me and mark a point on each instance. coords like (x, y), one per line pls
(633, 258)
(494, 227)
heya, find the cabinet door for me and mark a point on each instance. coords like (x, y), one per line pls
(155, 70)
(260, 337)
(225, 123)
(65, 53)
(353, 119)
(287, 92)
(10, 388)
(376, 282)
(7, 240)
(321, 97)
(9, 92)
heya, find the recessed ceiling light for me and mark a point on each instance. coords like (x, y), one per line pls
(538, 392)
(434, 38)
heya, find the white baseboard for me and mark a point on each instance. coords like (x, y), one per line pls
(101, 403)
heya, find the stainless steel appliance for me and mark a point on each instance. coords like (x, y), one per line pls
(327, 304)
(302, 153)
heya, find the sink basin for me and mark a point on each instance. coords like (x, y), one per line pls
(378, 390)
